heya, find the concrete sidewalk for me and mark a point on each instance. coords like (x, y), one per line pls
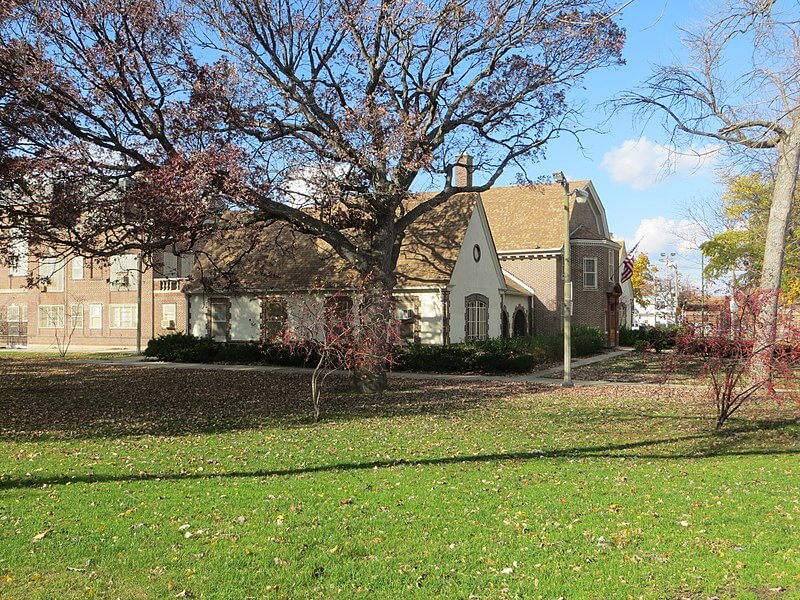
(549, 375)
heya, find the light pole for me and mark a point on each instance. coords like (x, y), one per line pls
(580, 197)
(669, 262)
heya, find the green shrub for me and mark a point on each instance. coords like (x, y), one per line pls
(169, 347)
(629, 337)
(515, 355)
(587, 340)
(662, 338)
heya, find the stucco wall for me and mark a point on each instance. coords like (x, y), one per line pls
(471, 277)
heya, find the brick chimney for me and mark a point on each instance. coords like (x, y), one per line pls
(462, 171)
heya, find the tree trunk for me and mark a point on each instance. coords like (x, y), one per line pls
(376, 332)
(780, 209)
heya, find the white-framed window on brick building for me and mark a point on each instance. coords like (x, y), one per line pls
(122, 316)
(17, 320)
(95, 316)
(51, 274)
(590, 273)
(19, 265)
(77, 267)
(76, 317)
(476, 323)
(123, 273)
(169, 317)
(612, 264)
(51, 316)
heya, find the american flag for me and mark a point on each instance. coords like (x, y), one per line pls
(627, 268)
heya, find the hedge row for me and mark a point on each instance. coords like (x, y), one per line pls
(650, 338)
(517, 355)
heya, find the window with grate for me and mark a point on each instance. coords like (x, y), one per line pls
(477, 318)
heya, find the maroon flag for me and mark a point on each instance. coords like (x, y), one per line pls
(627, 268)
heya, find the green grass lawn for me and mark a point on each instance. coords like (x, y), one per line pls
(159, 483)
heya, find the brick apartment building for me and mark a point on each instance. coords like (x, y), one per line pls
(91, 302)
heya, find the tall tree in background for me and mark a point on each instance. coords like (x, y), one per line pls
(642, 280)
(756, 111)
(738, 252)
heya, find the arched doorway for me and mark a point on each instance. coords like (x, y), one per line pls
(520, 323)
(504, 323)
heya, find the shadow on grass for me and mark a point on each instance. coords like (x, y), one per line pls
(719, 445)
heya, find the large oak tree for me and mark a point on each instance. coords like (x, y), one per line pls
(134, 121)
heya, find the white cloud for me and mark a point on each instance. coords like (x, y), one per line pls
(660, 234)
(643, 164)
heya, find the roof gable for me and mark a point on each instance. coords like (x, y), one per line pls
(275, 257)
(531, 217)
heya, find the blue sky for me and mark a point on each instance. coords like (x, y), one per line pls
(644, 196)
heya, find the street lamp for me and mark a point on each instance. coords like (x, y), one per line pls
(580, 197)
(669, 262)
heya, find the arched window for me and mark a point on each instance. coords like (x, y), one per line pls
(520, 323)
(476, 323)
(504, 325)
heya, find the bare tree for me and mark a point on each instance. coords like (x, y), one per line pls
(755, 112)
(136, 122)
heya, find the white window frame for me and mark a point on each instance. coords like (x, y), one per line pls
(612, 264)
(116, 312)
(16, 316)
(95, 317)
(76, 317)
(123, 268)
(52, 269)
(49, 320)
(76, 268)
(590, 270)
(169, 313)
(20, 266)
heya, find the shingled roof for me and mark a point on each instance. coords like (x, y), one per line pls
(277, 258)
(528, 217)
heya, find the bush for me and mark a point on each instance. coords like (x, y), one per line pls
(662, 338)
(629, 337)
(587, 340)
(278, 353)
(516, 355)
(184, 347)
(169, 347)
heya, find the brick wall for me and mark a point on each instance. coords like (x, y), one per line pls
(92, 289)
(544, 276)
(589, 306)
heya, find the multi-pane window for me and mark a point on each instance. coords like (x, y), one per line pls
(51, 274)
(95, 316)
(19, 266)
(219, 320)
(124, 274)
(76, 317)
(17, 319)
(590, 273)
(51, 316)
(168, 316)
(77, 267)
(122, 316)
(273, 318)
(477, 318)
